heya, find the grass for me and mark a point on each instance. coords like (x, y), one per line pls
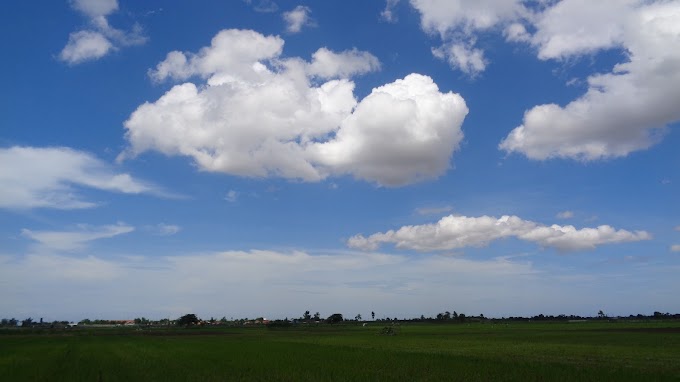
(420, 352)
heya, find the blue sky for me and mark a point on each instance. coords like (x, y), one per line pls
(263, 158)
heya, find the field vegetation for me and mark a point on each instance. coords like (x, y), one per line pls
(478, 351)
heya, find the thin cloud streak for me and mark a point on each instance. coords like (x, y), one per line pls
(50, 177)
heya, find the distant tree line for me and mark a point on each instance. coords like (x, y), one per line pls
(30, 323)
(190, 320)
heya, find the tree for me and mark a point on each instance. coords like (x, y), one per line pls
(27, 322)
(373, 315)
(601, 314)
(187, 319)
(358, 317)
(317, 316)
(334, 318)
(307, 316)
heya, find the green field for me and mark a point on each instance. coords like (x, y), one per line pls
(591, 351)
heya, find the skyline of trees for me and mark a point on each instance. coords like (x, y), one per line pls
(307, 318)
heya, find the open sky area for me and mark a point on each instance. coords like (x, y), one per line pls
(253, 158)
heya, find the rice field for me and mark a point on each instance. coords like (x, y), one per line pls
(590, 351)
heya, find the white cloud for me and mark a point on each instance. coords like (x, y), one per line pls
(328, 64)
(261, 115)
(76, 239)
(453, 232)
(231, 196)
(297, 18)
(677, 228)
(516, 32)
(446, 16)
(424, 126)
(457, 22)
(462, 56)
(234, 56)
(388, 13)
(100, 38)
(34, 177)
(95, 8)
(675, 248)
(85, 45)
(576, 27)
(565, 215)
(623, 111)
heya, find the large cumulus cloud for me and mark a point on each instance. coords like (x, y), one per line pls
(252, 112)
(623, 111)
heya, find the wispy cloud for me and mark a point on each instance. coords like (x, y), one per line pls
(77, 239)
(297, 18)
(388, 13)
(34, 177)
(100, 38)
(565, 215)
(263, 6)
(231, 196)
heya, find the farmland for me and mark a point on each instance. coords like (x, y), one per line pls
(595, 351)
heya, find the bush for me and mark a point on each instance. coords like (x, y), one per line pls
(278, 324)
(388, 331)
